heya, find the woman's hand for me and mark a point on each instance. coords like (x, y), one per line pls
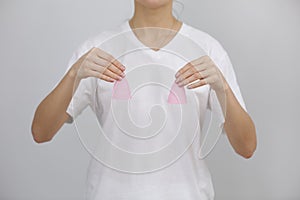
(238, 124)
(200, 72)
(97, 63)
(51, 113)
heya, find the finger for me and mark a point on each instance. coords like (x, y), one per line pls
(197, 84)
(109, 58)
(101, 76)
(192, 63)
(186, 74)
(106, 71)
(205, 81)
(116, 71)
(106, 64)
(196, 76)
(111, 74)
(183, 69)
(190, 79)
(191, 72)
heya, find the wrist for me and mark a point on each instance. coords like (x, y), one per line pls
(72, 73)
(224, 87)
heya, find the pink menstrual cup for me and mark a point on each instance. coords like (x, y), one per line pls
(177, 95)
(121, 90)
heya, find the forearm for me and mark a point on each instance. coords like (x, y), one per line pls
(51, 114)
(238, 126)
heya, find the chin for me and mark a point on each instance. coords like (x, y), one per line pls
(153, 3)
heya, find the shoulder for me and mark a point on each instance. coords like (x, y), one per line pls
(210, 44)
(93, 41)
(98, 39)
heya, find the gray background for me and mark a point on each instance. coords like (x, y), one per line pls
(37, 38)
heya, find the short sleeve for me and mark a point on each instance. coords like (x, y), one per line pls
(82, 97)
(222, 60)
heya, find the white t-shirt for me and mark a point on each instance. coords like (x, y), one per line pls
(188, 177)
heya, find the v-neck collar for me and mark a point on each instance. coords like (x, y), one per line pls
(136, 40)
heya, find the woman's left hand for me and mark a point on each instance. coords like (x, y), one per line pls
(199, 72)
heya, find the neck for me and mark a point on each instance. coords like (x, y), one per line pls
(152, 17)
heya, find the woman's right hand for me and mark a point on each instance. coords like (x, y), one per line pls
(97, 63)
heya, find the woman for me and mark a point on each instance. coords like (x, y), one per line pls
(186, 179)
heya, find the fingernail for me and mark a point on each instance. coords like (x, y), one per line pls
(123, 74)
(123, 67)
(176, 75)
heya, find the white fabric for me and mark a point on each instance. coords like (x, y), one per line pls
(186, 179)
